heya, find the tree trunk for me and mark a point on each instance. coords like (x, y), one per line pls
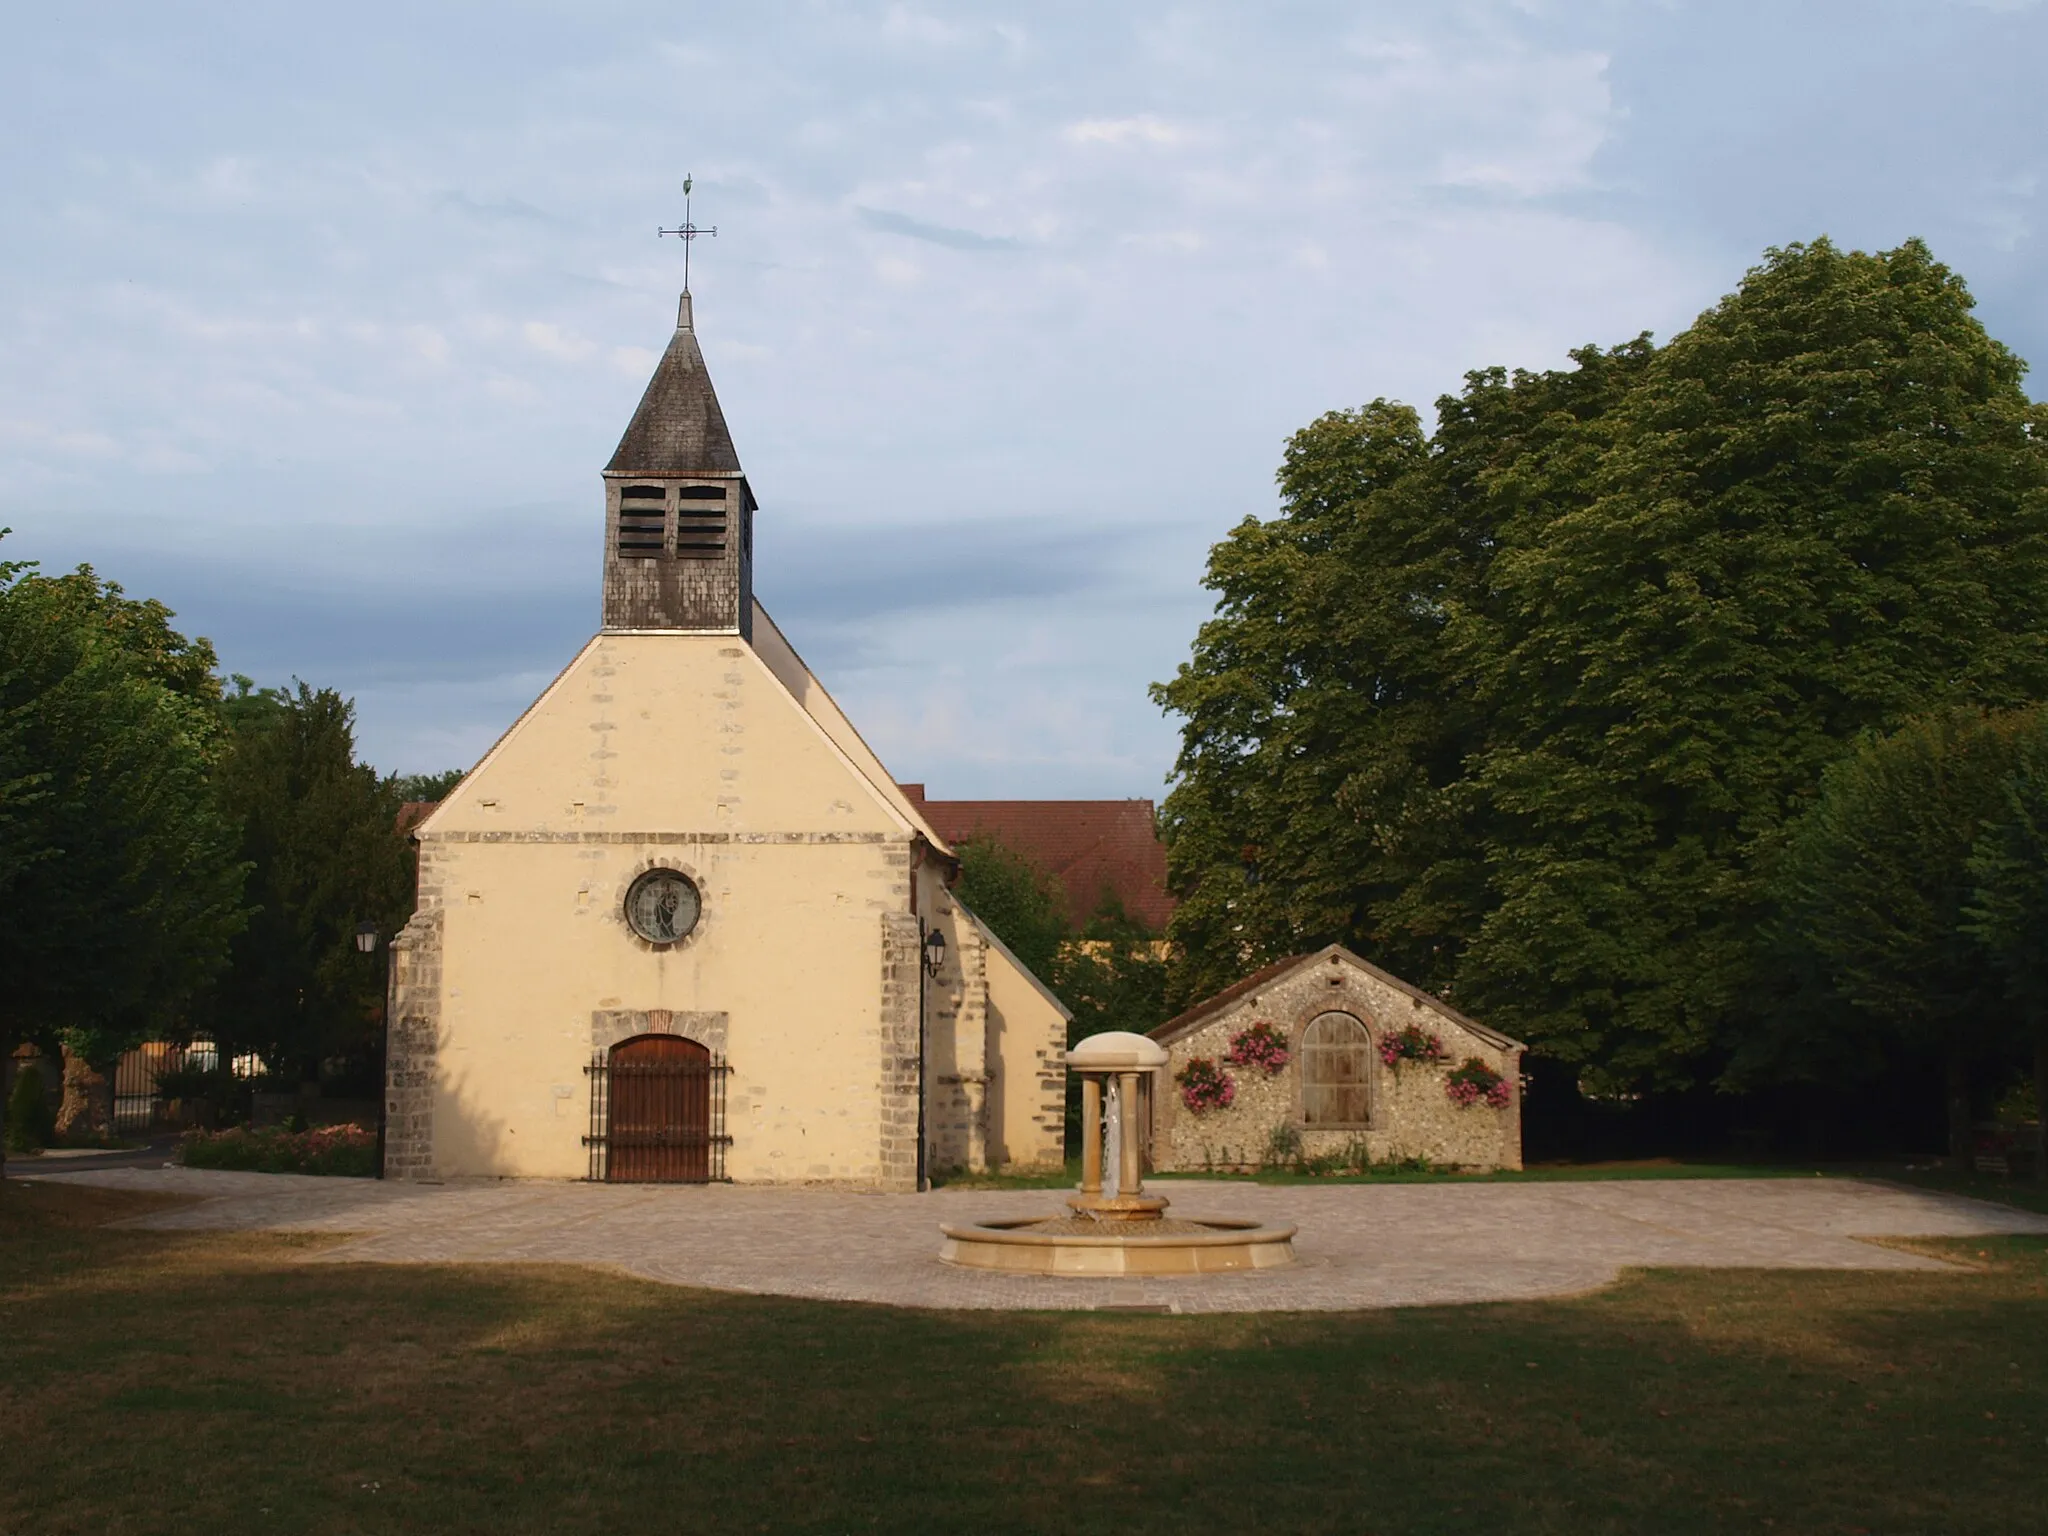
(1959, 1135)
(88, 1108)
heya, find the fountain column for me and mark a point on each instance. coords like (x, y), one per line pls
(1129, 1058)
(1091, 1135)
(1130, 1174)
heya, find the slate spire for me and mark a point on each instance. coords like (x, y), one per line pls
(678, 429)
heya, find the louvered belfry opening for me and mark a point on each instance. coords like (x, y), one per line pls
(657, 1113)
(643, 518)
(700, 522)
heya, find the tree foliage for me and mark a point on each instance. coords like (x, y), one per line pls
(1021, 903)
(1876, 892)
(1524, 708)
(1113, 974)
(426, 786)
(319, 835)
(118, 869)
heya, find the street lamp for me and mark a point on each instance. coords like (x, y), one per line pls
(934, 951)
(366, 944)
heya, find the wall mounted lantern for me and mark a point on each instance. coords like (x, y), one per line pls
(934, 951)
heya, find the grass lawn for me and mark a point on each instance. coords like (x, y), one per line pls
(158, 1382)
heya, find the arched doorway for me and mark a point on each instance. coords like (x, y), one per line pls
(658, 1125)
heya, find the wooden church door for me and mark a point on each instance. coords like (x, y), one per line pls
(660, 1112)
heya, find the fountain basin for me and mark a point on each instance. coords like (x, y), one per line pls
(1079, 1245)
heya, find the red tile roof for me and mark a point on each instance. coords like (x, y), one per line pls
(1089, 846)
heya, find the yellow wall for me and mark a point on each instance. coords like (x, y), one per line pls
(647, 732)
(688, 751)
(1027, 1034)
(535, 944)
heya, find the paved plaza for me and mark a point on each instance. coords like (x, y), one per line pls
(1384, 1245)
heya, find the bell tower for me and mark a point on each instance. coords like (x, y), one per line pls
(678, 514)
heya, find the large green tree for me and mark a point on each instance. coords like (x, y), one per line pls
(118, 870)
(2008, 911)
(319, 833)
(1524, 708)
(1875, 894)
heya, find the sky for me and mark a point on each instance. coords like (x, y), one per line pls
(319, 324)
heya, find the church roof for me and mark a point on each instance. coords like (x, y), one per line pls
(789, 669)
(678, 429)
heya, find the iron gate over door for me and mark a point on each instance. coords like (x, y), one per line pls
(657, 1113)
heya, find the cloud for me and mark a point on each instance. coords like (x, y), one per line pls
(1146, 129)
(892, 223)
(635, 362)
(553, 341)
(503, 210)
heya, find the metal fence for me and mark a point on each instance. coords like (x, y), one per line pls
(139, 1100)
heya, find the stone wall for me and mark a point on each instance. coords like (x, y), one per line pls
(413, 1041)
(956, 1049)
(1410, 1113)
(901, 1067)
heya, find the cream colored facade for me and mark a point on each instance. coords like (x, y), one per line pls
(1410, 1115)
(708, 749)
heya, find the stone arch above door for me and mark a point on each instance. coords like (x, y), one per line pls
(608, 1026)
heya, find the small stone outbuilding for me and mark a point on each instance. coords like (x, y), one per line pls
(1338, 1018)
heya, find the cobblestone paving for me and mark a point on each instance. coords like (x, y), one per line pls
(1359, 1246)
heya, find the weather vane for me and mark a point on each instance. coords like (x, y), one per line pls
(686, 233)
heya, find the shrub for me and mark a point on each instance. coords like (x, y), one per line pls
(349, 1151)
(1261, 1046)
(1476, 1082)
(29, 1122)
(1205, 1086)
(1283, 1147)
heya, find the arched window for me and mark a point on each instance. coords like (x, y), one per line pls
(1336, 1071)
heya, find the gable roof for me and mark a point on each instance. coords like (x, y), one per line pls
(678, 428)
(1089, 846)
(1200, 1014)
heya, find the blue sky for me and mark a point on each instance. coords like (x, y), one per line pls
(319, 325)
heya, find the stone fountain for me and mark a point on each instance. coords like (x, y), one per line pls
(1115, 1228)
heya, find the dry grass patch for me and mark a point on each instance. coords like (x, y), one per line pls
(154, 1381)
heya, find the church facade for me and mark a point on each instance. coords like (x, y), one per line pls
(679, 923)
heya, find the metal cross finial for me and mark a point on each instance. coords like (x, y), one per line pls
(687, 232)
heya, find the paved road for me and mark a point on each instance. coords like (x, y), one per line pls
(156, 1152)
(1359, 1246)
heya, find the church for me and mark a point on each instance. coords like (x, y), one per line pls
(680, 924)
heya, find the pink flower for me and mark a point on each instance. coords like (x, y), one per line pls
(1205, 1086)
(1260, 1046)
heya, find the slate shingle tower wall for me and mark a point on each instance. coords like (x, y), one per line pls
(679, 516)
